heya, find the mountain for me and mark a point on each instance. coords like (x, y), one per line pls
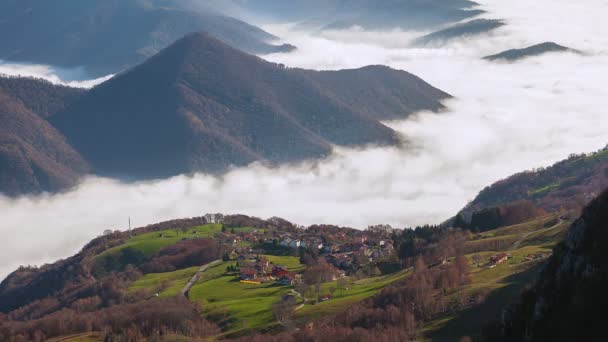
(469, 28)
(34, 156)
(108, 36)
(567, 301)
(201, 105)
(379, 91)
(567, 185)
(534, 50)
(369, 14)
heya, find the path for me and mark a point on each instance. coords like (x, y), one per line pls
(197, 276)
(523, 237)
(519, 242)
(299, 295)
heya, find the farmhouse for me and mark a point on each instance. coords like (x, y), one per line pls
(499, 258)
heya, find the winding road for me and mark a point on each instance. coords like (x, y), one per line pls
(197, 276)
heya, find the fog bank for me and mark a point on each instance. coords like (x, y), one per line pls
(68, 77)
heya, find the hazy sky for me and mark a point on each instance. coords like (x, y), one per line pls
(505, 118)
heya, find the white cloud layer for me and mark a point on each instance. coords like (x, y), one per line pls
(69, 77)
(505, 118)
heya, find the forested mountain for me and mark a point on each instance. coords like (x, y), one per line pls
(201, 105)
(109, 36)
(567, 185)
(34, 156)
(534, 50)
(379, 91)
(370, 14)
(567, 301)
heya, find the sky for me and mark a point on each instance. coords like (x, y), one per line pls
(504, 118)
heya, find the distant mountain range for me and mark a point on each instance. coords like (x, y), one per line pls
(109, 36)
(201, 105)
(369, 14)
(469, 28)
(534, 50)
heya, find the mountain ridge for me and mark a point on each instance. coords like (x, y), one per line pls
(216, 99)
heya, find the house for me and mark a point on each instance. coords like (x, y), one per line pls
(248, 273)
(262, 264)
(279, 271)
(499, 258)
(325, 298)
(287, 279)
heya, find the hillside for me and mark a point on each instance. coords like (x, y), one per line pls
(461, 30)
(369, 14)
(567, 185)
(151, 266)
(380, 92)
(107, 37)
(534, 50)
(201, 105)
(34, 156)
(566, 302)
(257, 280)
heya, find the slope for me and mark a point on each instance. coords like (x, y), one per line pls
(201, 105)
(566, 302)
(34, 156)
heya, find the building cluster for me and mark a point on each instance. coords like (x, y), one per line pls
(260, 270)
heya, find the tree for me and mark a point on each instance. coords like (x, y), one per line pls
(477, 259)
(283, 310)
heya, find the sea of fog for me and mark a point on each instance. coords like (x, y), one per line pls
(504, 118)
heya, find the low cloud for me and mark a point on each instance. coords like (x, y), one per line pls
(69, 77)
(504, 118)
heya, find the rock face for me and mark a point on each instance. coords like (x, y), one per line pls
(109, 36)
(469, 28)
(34, 156)
(568, 301)
(201, 105)
(535, 50)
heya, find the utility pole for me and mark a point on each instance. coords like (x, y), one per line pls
(130, 227)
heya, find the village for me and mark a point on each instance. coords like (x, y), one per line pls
(344, 250)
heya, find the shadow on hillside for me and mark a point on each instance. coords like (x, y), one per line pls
(470, 321)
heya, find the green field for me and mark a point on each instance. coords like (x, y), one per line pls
(292, 263)
(172, 282)
(137, 249)
(234, 305)
(357, 290)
